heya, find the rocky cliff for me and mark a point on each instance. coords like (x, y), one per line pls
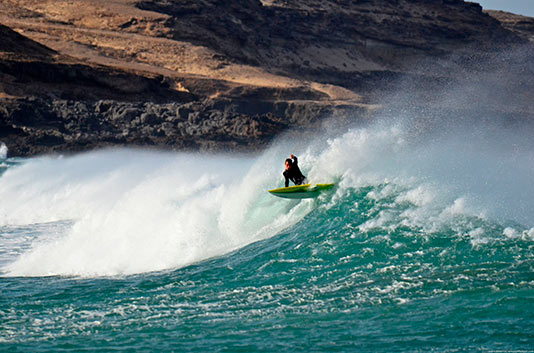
(214, 74)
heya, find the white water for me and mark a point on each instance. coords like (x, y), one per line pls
(135, 211)
(3, 151)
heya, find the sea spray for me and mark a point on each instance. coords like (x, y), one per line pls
(3, 150)
(487, 166)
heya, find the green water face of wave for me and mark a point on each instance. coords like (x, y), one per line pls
(367, 270)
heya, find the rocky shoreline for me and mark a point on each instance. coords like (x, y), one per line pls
(36, 126)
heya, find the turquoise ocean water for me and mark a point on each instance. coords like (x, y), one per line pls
(426, 244)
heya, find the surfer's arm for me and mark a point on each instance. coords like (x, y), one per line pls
(287, 179)
(295, 160)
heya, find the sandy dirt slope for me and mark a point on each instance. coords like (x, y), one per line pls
(115, 33)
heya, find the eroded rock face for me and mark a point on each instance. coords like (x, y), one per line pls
(34, 126)
(217, 75)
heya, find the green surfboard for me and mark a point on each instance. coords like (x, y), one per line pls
(306, 191)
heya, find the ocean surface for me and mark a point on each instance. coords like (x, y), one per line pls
(425, 244)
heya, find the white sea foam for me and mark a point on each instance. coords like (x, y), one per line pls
(3, 150)
(135, 211)
(484, 171)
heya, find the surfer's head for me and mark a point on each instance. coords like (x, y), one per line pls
(289, 163)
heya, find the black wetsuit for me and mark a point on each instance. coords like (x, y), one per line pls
(294, 174)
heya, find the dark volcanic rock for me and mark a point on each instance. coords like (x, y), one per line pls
(33, 126)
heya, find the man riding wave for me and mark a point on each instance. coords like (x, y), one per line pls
(293, 172)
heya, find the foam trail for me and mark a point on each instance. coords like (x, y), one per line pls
(135, 211)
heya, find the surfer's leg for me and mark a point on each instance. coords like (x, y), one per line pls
(300, 181)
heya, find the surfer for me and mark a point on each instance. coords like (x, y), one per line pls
(293, 172)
